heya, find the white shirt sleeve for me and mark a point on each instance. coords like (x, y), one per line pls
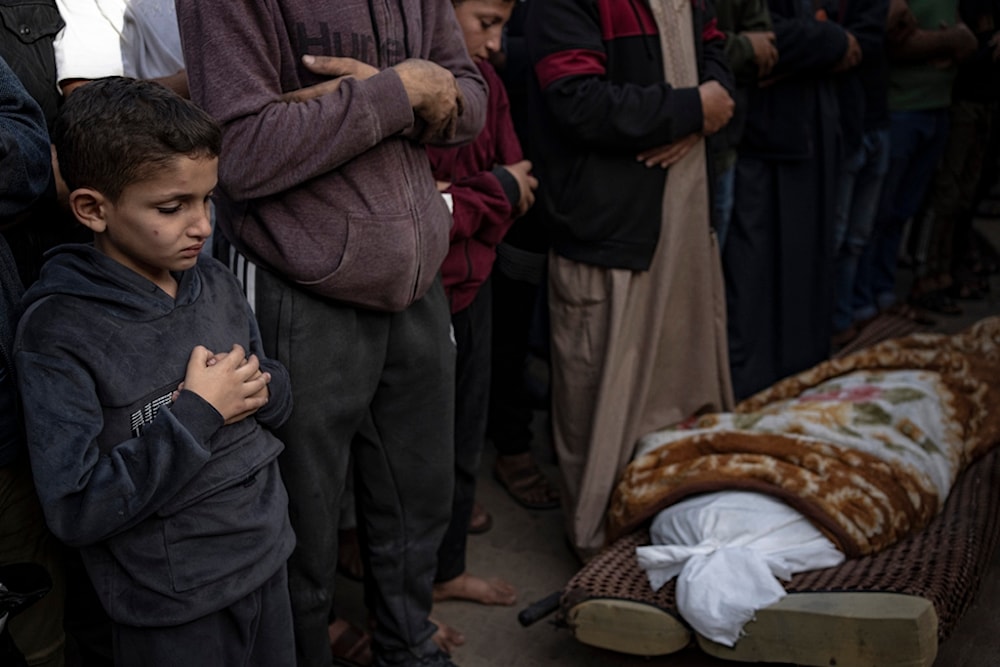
(151, 41)
(89, 47)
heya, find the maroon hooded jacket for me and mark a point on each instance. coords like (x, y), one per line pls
(484, 195)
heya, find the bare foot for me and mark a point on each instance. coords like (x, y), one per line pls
(447, 638)
(475, 589)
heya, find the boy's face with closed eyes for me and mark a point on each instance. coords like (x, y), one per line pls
(482, 23)
(159, 224)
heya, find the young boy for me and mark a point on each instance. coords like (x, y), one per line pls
(490, 184)
(146, 393)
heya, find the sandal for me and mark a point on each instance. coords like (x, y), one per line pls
(913, 314)
(525, 482)
(350, 645)
(936, 301)
(969, 290)
(480, 520)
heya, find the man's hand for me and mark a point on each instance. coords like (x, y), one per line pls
(961, 42)
(995, 45)
(177, 82)
(521, 171)
(435, 97)
(901, 22)
(716, 106)
(664, 156)
(852, 56)
(964, 42)
(231, 382)
(339, 68)
(765, 51)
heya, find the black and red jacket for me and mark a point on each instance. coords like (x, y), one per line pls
(600, 98)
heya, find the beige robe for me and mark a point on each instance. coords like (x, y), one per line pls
(633, 352)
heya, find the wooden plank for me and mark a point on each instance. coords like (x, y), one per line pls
(627, 627)
(842, 629)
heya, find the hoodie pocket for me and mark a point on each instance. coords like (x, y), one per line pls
(227, 533)
(379, 265)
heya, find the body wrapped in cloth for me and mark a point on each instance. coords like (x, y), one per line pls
(866, 447)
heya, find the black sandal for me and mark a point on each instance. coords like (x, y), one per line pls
(911, 313)
(936, 301)
(969, 290)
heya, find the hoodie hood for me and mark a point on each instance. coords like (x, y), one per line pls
(80, 270)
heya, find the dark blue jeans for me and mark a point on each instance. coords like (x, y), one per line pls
(858, 191)
(916, 142)
(725, 197)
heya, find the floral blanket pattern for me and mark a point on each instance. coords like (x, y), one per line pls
(866, 446)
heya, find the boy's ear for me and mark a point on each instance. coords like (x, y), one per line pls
(90, 208)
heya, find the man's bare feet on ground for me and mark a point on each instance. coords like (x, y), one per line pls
(447, 638)
(475, 589)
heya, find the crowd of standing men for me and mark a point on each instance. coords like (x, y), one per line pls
(674, 204)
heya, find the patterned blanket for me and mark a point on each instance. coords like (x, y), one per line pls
(866, 446)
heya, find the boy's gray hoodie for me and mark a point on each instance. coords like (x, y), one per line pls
(329, 193)
(176, 514)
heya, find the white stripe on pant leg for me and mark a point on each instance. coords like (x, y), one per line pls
(246, 274)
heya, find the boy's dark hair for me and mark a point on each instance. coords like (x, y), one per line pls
(114, 131)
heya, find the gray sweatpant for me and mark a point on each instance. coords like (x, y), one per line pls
(254, 631)
(379, 387)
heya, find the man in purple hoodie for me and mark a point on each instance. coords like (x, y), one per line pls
(329, 195)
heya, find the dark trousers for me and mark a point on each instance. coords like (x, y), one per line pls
(253, 631)
(916, 141)
(38, 630)
(510, 409)
(472, 397)
(951, 197)
(858, 192)
(779, 273)
(378, 387)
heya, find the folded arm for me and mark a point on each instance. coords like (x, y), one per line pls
(87, 495)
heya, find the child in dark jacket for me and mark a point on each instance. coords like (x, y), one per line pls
(147, 393)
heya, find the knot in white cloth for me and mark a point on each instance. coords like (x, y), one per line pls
(726, 550)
